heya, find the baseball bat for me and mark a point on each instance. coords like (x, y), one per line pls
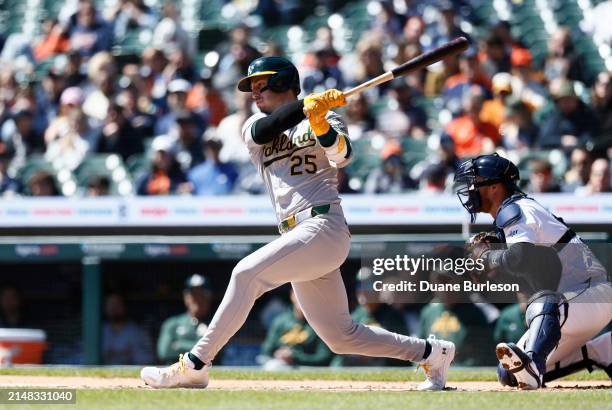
(451, 48)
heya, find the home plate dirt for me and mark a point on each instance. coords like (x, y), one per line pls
(297, 385)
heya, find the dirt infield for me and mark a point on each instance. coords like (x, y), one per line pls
(295, 385)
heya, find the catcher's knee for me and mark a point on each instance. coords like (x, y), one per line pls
(505, 378)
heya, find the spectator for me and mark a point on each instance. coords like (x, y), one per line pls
(8, 186)
(402, 95)
(55, 40)
(123, 341)
(165, 176)
(369, 64)
(572, 123)
(601, 99)
(21, 138)
(179, 333)
(177, 102)
(118, 136)
(324, 73)
(213, 177)
(291, 341)
(446, 317)
(446, 27)
(74, 77)
(599, 178)
(359, 118)
(229, 131)
(13, 313)
(179, 65)
(188, 141)
(48, 99)
(153, 63)
(516, 48)
(541, 177)
(444, 156)
(525, 87)
(237, 55)
(43, 183)
(141, 122)
(518, 130)
(495, 57)
(472, 136)
(578, 173)
(169, 33)
(90, 34)
(390, 177)
(130, 15)
(206, 102)
(563, 61)
(97, 186)
(69, 137)
(102, 72)
(469, 77)
(492, 111)
(434, 180)
(511, 323)
(388, 22)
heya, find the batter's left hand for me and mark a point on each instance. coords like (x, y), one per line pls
(317, 104)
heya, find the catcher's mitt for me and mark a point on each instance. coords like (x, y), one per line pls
(481, 242)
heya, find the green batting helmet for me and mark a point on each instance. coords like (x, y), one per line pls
(283, 74)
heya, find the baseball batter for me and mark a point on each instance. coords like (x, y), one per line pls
(572, 296)
(297, 146)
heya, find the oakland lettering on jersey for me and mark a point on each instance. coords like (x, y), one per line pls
(282, 146)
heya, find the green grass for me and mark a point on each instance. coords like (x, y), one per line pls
(345, 374)
(312, 399)
(245, 400)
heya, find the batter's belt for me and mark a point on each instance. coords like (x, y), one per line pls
(288, 223)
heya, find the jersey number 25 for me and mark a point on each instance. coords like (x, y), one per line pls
(309, 166)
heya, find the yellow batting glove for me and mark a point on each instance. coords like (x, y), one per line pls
(319, 125)
(317, 104)
(333, 98)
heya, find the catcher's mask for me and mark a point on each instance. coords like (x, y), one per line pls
(491, 169)
(283, 75)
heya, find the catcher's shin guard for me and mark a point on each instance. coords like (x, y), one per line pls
(543, 318)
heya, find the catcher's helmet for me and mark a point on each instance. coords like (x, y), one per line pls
(492, 169)
(283, 74)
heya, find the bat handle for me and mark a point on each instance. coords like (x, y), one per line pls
(383, 78)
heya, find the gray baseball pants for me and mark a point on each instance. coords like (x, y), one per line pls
(308, 256)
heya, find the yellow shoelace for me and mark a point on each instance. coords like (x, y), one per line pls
(178, 366)
(426, 368)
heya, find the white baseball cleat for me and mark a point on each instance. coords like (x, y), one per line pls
(437, 364)
(516, 361)
(180, 374)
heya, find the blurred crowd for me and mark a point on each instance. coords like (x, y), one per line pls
(169, 116)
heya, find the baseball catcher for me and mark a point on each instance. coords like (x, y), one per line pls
(571, 296)
(297, 146)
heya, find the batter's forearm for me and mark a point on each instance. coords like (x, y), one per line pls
(283, 118)
(337, 147)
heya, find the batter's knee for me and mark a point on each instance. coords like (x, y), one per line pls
(340, 341)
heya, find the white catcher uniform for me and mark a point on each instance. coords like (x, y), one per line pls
(584, 284)
(299, 178)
